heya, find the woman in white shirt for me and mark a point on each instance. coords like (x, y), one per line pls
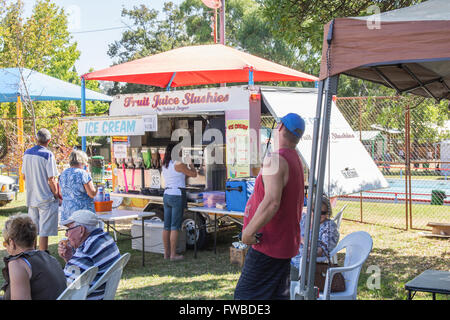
(174, 173)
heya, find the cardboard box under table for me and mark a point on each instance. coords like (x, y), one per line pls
(118, 215)
(237, 256)
(153, 237)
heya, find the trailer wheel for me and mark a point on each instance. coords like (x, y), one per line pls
(192, 234)
(159, 213)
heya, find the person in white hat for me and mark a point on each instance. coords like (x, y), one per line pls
(88, 245)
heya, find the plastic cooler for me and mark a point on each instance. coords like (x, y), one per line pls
(238, 192)
(153, 237)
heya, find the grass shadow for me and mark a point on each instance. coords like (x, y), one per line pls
(8, 211)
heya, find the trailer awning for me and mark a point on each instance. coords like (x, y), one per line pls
(351, 169)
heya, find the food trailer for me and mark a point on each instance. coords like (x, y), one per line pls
(225, 131)
(219, 129)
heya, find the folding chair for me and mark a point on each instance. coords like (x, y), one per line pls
(78, 289)
(111, 277)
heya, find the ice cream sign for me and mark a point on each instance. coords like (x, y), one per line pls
(116, 127)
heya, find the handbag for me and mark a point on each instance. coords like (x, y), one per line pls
(338, 283)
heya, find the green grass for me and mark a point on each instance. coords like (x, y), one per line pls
(400, 256)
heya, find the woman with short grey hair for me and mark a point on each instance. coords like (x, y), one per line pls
(77, 158)
(77, 189)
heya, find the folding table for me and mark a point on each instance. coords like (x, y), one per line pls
(434, 281)
(236, 216)
(117, 215)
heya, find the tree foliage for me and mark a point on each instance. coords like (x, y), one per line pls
(301, 22)
(189, 24)
(41, 42)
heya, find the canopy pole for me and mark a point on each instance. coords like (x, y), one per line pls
(83, 109)
(19, 112)
(311, 184)
(330, 90)
(170, 82)
(316, 186)
(250, 76)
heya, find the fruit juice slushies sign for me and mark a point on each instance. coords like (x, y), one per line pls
(238, 148)
(179, 102)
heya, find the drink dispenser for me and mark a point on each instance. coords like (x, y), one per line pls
(122, 173)
(155, 158)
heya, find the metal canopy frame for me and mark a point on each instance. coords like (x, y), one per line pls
(319, 152)
(420, 84)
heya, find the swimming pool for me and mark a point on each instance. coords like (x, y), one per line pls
(420, 190)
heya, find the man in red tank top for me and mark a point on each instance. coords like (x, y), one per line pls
(274, 212)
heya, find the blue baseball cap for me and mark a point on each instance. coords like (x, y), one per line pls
(294, 123)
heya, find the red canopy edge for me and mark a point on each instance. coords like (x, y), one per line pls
(207, 64)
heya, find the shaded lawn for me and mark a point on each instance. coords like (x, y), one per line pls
(399, 255)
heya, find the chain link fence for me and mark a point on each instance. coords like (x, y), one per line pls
(407, 137)
(409, 140)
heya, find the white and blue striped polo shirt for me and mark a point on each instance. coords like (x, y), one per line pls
(38, 166)
(100, 250)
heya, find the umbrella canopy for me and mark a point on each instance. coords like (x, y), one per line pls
(197, 65)
(408, 51)
(40, 87)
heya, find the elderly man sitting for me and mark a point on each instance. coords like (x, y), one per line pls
(88, 245)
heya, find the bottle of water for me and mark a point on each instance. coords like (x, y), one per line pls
(99, 196)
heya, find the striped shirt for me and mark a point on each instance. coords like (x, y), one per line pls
(100, 250)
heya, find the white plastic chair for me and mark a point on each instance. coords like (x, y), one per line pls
(111, 277)
(78, 289)
(338, 219)
(358, 246)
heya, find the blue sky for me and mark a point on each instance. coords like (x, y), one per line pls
(94, 15)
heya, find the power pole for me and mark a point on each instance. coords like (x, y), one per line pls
(222, 23)
(222, 28)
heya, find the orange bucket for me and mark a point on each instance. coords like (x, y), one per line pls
(103, 206)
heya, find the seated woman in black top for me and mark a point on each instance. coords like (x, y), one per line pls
(29, 273)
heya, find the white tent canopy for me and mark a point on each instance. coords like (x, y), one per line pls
(351, 168)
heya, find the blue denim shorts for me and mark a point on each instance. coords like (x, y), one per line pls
(173, 212)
